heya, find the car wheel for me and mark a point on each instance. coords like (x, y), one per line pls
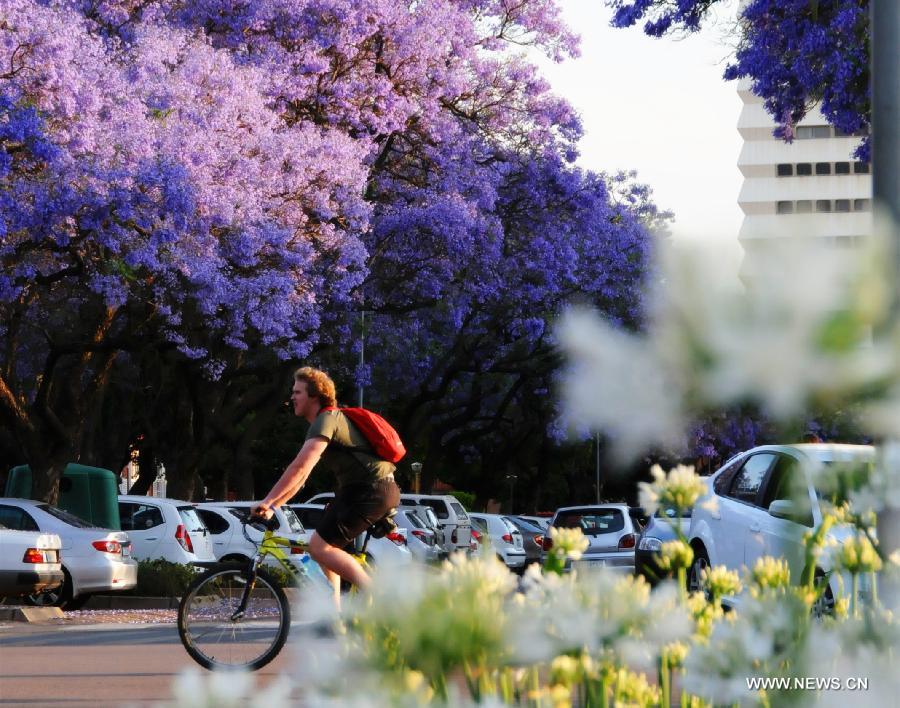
(824, 604)
(701, 563)
(58, 597)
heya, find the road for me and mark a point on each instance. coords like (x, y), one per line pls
(96, 665)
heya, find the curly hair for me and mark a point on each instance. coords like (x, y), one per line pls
(318, 384)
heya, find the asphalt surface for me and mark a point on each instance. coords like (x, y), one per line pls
(97, 665)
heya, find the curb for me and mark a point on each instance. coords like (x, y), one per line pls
(127, 602)
(16, 613)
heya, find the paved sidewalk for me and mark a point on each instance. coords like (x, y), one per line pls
(101, 664)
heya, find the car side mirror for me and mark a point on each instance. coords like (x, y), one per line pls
(783, 509)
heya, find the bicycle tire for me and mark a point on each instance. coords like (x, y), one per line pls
(217, 642)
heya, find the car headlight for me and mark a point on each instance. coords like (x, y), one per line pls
(648, 543)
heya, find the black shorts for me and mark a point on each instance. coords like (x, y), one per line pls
(355, 508)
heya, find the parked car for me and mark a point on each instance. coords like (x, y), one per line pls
(392, 549)
(165, 528)
(660, 528)
(224, 520)
(421, 540)
(29, 562)
(426, 513)
(542, 521)
(765, 502)
(532, 538)
(610, 532)
(93, 559)
(454, 521)
(504, 537)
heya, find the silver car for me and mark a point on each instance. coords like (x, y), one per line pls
(421, 540)
(93, 559)
(610, 532)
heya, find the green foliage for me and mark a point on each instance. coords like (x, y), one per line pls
(467, 499)
(160, 578)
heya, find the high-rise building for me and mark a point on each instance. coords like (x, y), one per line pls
(812, 187)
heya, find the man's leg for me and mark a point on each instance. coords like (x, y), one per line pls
(337, 562)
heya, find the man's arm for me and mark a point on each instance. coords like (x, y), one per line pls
(295, 474)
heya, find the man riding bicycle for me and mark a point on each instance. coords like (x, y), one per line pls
(366, 490)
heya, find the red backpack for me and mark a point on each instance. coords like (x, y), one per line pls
(381, 435)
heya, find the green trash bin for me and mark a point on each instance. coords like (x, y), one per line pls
(91, 493)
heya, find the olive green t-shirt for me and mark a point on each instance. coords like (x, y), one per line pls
(359, 465)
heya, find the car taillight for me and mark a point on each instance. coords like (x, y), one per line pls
(547, 543)
(627, 541)
(453, 536)
(108, 546)
(184, 538)
(296, 550)
(507, 537)
(539, 541)
(397, 538)
(421, 535)
(476, 535)
(34, 555)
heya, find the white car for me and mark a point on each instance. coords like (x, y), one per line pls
(421, 540)
(29, 562)
(610, 531)
(165, 528)
(451, 515)
(93, 559)
(226, 529)
(390, 550)
(504, 537)
(764, 502)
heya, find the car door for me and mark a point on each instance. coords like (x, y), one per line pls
(220, 531)
(741, 515)
(783, 538)
(145, 526)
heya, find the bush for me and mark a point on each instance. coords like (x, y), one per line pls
(160, 578)
(467, 499)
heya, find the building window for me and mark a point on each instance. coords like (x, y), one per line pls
(862, 205)
(804, 206)
(823, 168)
(785, 169)
(861, 168)
(804, 169)
(784, 208)
(807, 132)
(842, 168)
(823, 205)
(842, 205)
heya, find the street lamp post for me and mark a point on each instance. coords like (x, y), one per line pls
(417, 472)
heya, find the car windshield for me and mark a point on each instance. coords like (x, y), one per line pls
(66, 517)
(294, 524)
(414, 520)
(191, 521)
(526, 525)
(592, 522)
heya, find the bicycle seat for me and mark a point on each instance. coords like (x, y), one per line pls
(384, 525)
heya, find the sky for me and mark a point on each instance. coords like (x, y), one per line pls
(661, 107)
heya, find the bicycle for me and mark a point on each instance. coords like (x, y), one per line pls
(237, 615)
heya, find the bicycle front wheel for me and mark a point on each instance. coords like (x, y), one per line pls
(217, 639)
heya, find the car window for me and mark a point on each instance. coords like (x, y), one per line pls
(510, 526)
(480, 523)
(66, 517)
(414, 520)
(12, 517)
(671, 513)
(213, 521)
(788, 482)
(191, 519)
(439, 506)
(723, 480)
(309, 517)
(139, 517)
(592, 522)
(747, 482)
(526, 526)
(294, 524)
(460, 512)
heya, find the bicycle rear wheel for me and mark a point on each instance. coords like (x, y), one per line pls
(217, 641)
